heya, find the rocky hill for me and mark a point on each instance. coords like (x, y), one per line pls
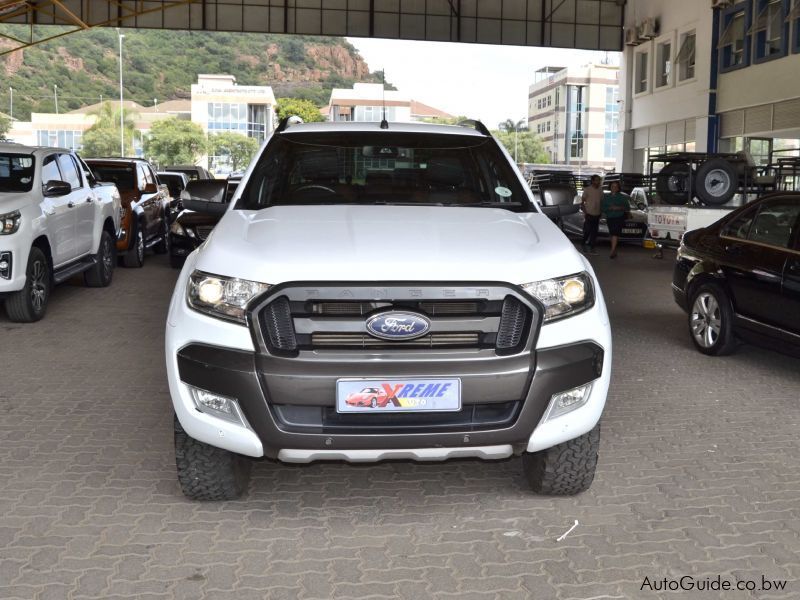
(163, 64)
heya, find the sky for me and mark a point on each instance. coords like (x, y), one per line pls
(484, 82)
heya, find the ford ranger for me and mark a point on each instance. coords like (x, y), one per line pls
(405, 258)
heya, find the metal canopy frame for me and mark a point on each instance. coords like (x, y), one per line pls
(583, 24)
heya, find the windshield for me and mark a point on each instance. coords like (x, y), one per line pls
(124, 176)
(383, 168)
(16, 172)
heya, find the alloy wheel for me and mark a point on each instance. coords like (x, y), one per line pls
(706, 320)
(38, 285)
(718, 182)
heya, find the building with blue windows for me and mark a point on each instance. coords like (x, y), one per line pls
(716, 75)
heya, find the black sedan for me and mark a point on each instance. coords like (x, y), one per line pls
(740, 277)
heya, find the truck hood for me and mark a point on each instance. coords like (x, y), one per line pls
(10, 201)
(387, 243)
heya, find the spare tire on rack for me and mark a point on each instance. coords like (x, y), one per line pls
(672, 183)
(716, 183)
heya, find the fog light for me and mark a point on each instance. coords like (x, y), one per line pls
(565, 402)
(5, 265)
(218, 406)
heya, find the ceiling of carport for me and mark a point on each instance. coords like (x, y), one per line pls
(584, 24)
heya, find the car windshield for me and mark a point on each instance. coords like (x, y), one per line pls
(173, 182)
(124, 176)
(383, 168)
(16, 172)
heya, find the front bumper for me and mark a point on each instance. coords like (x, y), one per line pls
(289, 404)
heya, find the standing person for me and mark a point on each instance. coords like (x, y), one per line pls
(615, 206)
(591, 202)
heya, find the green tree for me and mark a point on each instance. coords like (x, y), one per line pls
(5, 125)
(305, 109)
(530, 148)
(175, 141)
(102, 138)
(510, 125)
(238, 147)
(445, 120)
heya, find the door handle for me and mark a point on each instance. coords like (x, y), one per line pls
(89, 199)
(71, 204)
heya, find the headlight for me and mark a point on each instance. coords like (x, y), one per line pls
(222, 297)
(9, 222)
(563, 297)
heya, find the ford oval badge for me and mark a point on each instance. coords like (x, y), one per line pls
(398, 326)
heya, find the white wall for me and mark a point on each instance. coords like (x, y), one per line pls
(763, 83)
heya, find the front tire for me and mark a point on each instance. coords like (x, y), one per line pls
(206, 472)
(711, 320)
(101, 274)
(134, 257)
(566, 469)
(30, 303)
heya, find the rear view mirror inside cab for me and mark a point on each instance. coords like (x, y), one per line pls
(382, 152)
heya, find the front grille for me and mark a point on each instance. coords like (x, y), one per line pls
(325, 419)
(310, 317)
(362, 340)
(203, 231)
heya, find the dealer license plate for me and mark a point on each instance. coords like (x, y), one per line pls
(631, 231)
(397, 395)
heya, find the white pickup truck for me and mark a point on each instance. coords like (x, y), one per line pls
(667, 224)
(56, 221)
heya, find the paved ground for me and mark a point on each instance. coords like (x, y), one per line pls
(699, 475)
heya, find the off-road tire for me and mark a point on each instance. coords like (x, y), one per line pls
(717, 181)
(20, 306)
(134, 257)
(209, 473)
(666, 179)
(725, 342)
(101, 274)
(566, 469)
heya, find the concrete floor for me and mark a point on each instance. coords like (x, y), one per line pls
(699, 475)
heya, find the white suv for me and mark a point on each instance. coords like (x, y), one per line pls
(379, 292)
(56, 222)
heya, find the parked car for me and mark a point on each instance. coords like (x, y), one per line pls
(145, 205)
(193, 172)
(740, 277)
(176, 183)
(190, 229)
(634, 230)
(56, 222)
(434, 273)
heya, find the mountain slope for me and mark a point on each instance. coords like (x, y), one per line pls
(163, 64)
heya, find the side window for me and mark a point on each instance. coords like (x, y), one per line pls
(775, 223)
(149, 176)
(740, 226)
(69, 171)
(50, 170)
(141, 178)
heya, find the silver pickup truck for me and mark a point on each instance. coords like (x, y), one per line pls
(56, 221)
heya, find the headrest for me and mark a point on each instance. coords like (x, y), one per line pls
(445, 170)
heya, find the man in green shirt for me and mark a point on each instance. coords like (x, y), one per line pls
(615, 206)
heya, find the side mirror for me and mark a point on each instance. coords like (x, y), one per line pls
(55, 188)
(205, 196)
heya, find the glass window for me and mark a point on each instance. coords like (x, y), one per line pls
(141, 177)
(685, 60)
(794, 22)
(775, 223)
(50, 170)
(663, 64)
(612, 121)
(642, 68)
(769, 28)
(734, 39)
(16, 172)
(60, 139)
(576, 99)
(123, 176)
(69, 171)
(366, 168)
(739, 227)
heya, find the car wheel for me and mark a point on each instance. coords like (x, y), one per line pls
(566, 469)
(30, 303)
(373, 403)
(711, 320)
(206, 472)
(672, 183)
(134, 258)
(102, 272)
(716, 182)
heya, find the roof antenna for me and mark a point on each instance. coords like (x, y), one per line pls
(384, 122)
